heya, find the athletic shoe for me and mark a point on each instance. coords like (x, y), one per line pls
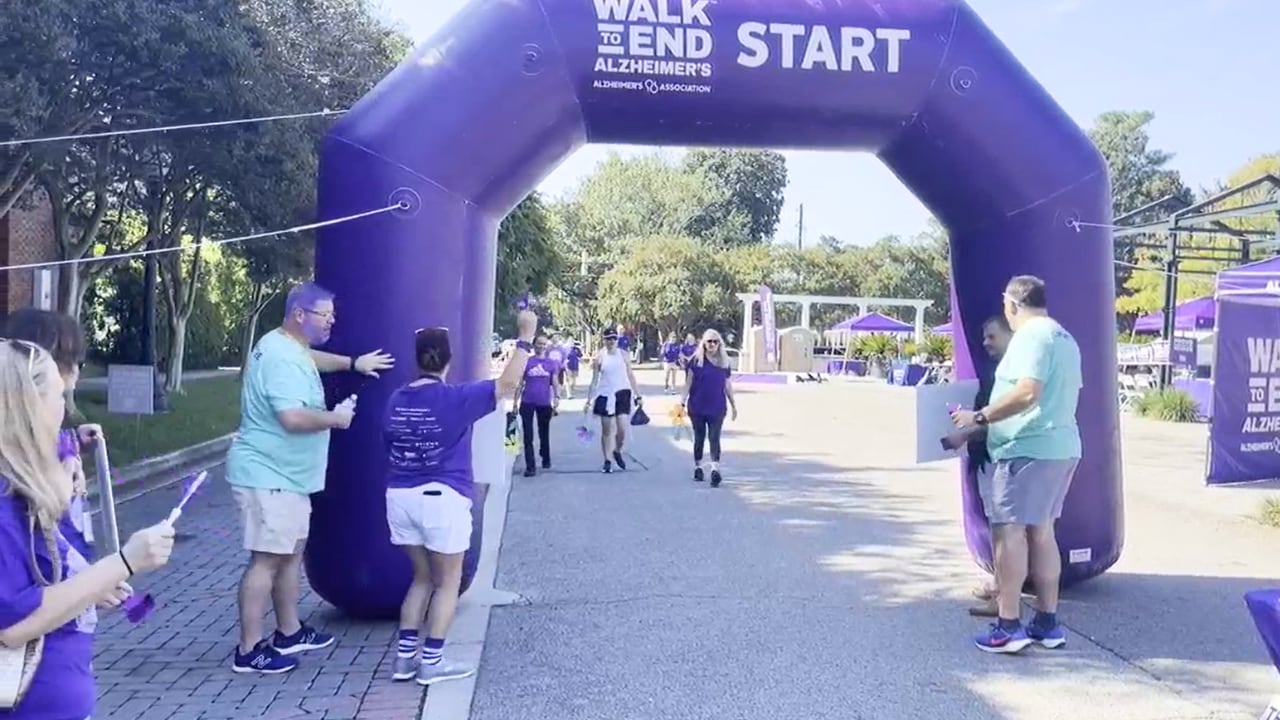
(530, 472)
(262, 659)
(443, 670)
(608, 467)
(546, 464)
(617, 457)
(999, 640)
(404, 668)
(715, 478)
(697, 474)
(1051, 638)
(307, 638)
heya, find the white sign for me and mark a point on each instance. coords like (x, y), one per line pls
(1273, 710)
(933, 417)
(131, 389)
(666, 46)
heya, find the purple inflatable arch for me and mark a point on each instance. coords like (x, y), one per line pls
(486, 109)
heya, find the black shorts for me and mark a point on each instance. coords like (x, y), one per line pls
(621, 404)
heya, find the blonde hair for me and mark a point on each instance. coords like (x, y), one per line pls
(720, 359)
(28, 438)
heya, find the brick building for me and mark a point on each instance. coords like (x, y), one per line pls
(26, 236)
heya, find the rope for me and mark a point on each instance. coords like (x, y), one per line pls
(166, 128)
(242, 238)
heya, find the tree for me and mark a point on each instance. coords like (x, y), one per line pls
(670, 283)
(1140, 176)
(750, 186)
(528, 260)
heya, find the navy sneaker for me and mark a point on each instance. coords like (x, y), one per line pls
(999, 640)
(1049, 637)
(262, 659)
(617, 457)
(307, 638)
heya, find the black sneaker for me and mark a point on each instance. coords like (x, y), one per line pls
(715, 478)
(530, 472)
(697, 475)
(617, 457)
(608, 467)
(546, 464)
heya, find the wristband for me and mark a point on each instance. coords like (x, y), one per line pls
(353, 364)
(127, 566)
(524, 345)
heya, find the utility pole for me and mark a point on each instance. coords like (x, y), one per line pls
(800, 233)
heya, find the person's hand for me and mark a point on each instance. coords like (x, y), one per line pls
(527, 324)
(344, 413)
(955, 440)
(149, 548)
(89, 433)
(116, 596)
(586, 408)
(371, 363)
(733, 413)
(964, 418)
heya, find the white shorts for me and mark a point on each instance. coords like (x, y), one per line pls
(434, 516)
(668, 366)
(275, 521)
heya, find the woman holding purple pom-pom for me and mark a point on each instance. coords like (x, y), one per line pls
(48, 590)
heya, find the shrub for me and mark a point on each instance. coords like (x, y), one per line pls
(1168, 404)
(1269, 513)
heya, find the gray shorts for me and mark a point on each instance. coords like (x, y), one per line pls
(1024, 491)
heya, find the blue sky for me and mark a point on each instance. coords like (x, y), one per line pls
(1202, 66)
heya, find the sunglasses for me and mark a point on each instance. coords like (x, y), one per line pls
(29, 347)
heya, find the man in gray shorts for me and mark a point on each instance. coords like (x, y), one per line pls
(1033, 438)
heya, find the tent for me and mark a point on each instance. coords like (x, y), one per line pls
(1198, 314)
(1244, 434)
(873, 322)
(944, 329)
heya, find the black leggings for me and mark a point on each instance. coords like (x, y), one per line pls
(543, 413)
(706, 428)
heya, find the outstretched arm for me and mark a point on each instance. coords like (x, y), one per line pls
(368, 364)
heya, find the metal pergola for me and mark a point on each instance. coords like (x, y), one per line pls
(1261, 198)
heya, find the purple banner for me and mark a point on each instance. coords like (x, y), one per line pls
(769, 325)
(1182, 352)
(1244, 438)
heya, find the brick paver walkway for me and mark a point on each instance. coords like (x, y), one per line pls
(176, 665)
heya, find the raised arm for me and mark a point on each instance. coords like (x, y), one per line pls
(513, 374)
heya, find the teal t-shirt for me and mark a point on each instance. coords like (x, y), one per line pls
(281, 376)
(1042, 350)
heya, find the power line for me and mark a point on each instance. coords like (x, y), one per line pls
(180, 248)
(167, 128)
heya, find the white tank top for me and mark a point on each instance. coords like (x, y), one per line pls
(613, 373)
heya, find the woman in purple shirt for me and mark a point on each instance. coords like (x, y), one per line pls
(430, 487)
(539, 397)
(670, 362)
(49, 591)
(708, 397)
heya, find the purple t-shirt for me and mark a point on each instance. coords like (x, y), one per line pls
(556, 353)
(624, 342)
(538, 372)
(670, 352)
(706, 390)
(427, 432)
(574, 358)
(687, 351)
(63, 686)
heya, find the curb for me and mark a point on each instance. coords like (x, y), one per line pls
(154, 473)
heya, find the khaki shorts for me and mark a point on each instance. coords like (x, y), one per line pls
(275, 521)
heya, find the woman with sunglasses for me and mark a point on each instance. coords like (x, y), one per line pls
(707, 398)
(49, 591)
(427, 429)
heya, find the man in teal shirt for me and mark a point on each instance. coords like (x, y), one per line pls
(276, 462)
(1033, 438)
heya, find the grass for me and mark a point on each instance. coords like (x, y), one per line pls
(1269, 514)
(209, 408)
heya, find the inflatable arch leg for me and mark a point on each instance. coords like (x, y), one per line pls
(479, 114)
